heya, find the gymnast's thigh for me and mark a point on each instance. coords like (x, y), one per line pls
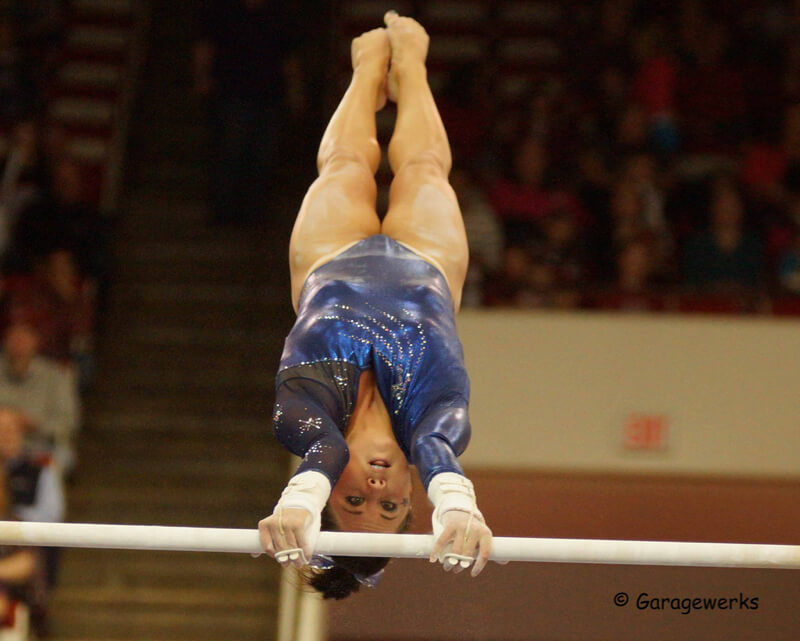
(424, 215)
(337, 212)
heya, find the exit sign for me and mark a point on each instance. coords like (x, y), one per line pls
(646, 432)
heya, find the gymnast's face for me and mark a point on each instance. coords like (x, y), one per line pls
(373, 493)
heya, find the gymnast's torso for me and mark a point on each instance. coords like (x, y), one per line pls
(376, 306)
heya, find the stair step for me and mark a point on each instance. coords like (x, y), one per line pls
(190, 598)
(77, 74)
(225, 401)
(162, 624)
(195, 338)
(128, 354)
(170, 497)
(168, 382)
(170, 172)
(120, 568)
(115, 8)
(102, 39)
(199, 424)
(83, 111)
(184, 273)
(210, 250)
(178, 446)
(200, 472)
(208, 516)
(192, 293)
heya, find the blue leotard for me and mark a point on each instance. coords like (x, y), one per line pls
(376, 306)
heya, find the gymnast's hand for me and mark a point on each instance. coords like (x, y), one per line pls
(285, 536)
(460, 538)
(291, 533)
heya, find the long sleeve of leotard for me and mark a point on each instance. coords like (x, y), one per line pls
(441, 435)
(305, 422)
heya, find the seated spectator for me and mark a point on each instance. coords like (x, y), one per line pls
(63, 306)
(35, 486)
(35, 494)
(641, 170)
(559, 260)
(725, 256)
(633, 288)
(769, 170)
(525, 199)
(20, 570)
(634, 210)
(484, 235)
(44, 394)
(65, 219)
(511, 283)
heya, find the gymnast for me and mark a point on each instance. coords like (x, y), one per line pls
(372, 374)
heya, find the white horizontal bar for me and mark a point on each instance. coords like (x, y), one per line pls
(411, 546)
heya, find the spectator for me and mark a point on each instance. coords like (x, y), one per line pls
(35, 494)
(43, 393)
(67, 220)
(62, 305)
(241, 63)
(35, 487)
(725, 256)
(632, 290)
(633, 212)
(767, 168)
(559, 262)
(641, 171)
(20, 572)
(525, 199)
(511, 284)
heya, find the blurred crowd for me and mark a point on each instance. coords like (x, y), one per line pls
(657, 167)
(53, 259)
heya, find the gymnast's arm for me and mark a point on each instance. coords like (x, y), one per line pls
(459, 529)
(304, 423)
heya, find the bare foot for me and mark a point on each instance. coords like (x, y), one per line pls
(371, 52)
(409, 43)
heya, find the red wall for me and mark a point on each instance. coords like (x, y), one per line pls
(561, 602)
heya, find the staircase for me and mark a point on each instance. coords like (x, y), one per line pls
(177, 431)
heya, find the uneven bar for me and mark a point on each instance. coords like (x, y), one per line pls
(413, 546)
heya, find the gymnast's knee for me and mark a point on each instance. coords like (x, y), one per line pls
(430, 164)
(335, 158)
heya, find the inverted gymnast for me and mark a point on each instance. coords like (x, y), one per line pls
(372, 375)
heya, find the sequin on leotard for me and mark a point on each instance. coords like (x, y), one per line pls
(376, 306)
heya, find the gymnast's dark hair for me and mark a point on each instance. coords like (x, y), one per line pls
(340, 581)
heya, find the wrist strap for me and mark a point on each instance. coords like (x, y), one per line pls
(450, 491)
(308, 490)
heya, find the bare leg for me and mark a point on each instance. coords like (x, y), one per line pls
(339, 207)
(423, 209)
